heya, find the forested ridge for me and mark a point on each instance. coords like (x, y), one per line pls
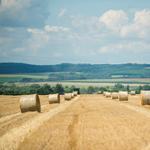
(94, 71)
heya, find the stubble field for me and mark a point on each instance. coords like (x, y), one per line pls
(86, 122)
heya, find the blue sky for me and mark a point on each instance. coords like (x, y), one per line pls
(46, 32)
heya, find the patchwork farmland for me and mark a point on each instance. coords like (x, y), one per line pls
(85, 122)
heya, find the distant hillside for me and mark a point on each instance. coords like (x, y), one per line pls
(95, 71)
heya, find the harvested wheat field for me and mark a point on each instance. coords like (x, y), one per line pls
(86, 122)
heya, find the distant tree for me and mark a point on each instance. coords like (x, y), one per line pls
(90, 90)
(72, 87)
(102, 89)
(140, 88)
(36, 86)
(45, 89)
(59, 88)
(66, 87)
(96, 89)
(119, 86)
(83, 90)
(146, 87)
(128, 87)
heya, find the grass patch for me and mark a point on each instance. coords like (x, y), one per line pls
(9, 79)
(118, 76)
(127, 81)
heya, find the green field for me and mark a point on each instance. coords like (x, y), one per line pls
(118, 76)
(45, 75)
(17, 77)
(125, 81)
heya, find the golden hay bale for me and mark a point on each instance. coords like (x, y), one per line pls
(123, 95)
(67, 96)
(99, 92)
(75, 93)
(54, 98)
(72, 95)
(107, 94)
(132, 92)
(145, 97)
(30, 103)
(104, 93)
(114, 95)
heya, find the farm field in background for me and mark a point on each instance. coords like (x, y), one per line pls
(17, 77)
(126, 81)
(81, 83)
(88, 121)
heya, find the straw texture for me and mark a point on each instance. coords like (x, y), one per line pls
(123, 96)
(107, 94)
(145, 97)
(104, 93)
(30, 103)
(72, 95)
(132, 92)
(114, 95)
(75, 93)
(67, 96)
(54, 98)
(99, 92)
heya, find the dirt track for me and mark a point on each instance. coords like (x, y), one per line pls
(87, 122)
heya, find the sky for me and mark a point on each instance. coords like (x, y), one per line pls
(48, 32)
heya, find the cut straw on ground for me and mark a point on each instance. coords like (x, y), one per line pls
(12, 139)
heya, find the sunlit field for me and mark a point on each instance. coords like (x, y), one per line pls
(85, 122)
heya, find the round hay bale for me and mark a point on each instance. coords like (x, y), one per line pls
(145, 97)
(107, 94)
(123, 95)
(30, 103)
(132, 92)
(68, 96)
(104, 93)
(114, 95)
(72, 95)
(99, 92)
(54, 98)
(75, 93)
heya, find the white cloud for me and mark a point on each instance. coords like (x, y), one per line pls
(23, 13)
(136, 47)
(55, 28)
(63, 11)
(114, 19)
(141, 26)
(19, 49)
(80, 21)
(38, 41)
(9, 29)
(58, 54)
(35, 31)
(92, 53)
(142, 18)
(103, 49)
(5, 40)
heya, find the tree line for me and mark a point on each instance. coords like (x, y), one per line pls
(46, 89)
(93, 71)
